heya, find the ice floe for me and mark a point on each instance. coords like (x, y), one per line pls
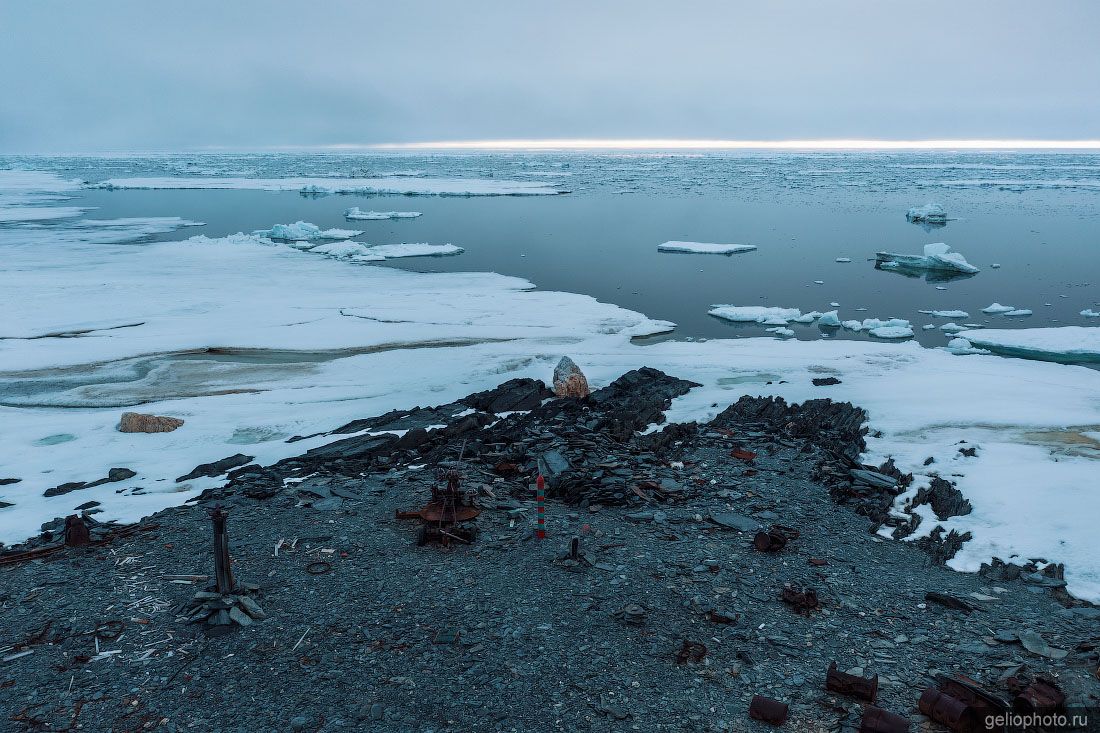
(931, 213)
(357, 214)
(1016, 312)
(937, 256)
(754, 314)
(705, 248)
(303, 230)
(962, 347)
(1066, 344)
(391, 185)
(946, 314)
(998, 308)
(893, 328)
(1089, 313)
(829, 319)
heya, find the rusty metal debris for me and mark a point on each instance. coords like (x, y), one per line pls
(575, 548)
(691, 651)
(743, 455)
(774, 538)
(851, 685)
(877, 720)
(801, 600)
(960, 704)
(40, 552)
(319, 567)
(76, 531)
(442, 517)
(768, 710)
(948, 711)
(1042, 696)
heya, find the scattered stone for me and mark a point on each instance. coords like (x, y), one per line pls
(825, 381)
(136, 422)
(216, 468)
(732, 520)
(1036, 645)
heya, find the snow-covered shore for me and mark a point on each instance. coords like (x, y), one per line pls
(251, 342)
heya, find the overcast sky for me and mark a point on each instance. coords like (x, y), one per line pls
(144, 75)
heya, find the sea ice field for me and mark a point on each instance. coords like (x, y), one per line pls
(262, 296)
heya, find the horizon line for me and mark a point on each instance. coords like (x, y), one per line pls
(719, 144)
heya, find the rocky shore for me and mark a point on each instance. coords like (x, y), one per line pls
(686, 569)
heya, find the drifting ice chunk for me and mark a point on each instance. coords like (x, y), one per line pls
(936, 256)
(1065, 344)
(705, 248)
(930, 213)
(781, 331)
(348, 250)
(754, 314)
(829, 320)
(357, 214)
(952, 327)
(892, 332)
(947, 314)
(843, 259)
(962, 347)
(415, 249)
(1089, 313)
(1018, 312)
(998, 308)
(807, 317)
(300, 230)
(853, 325)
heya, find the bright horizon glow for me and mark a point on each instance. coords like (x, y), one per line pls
(677, 144)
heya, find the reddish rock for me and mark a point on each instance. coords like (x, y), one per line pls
(136, 422)
(569, 380)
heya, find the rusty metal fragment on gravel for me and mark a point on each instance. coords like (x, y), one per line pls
(851, 685)
(768, 710)
(691, 651)
(800, 600)
(775, 538)
(877, 720)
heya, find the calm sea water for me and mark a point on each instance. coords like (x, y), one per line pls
(1034, 214)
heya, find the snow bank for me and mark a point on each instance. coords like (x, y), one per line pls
(356, 214)
(705, 248)
(24, 193)
(391, 185)
(303, 230)
(929, 213)
(936, 256)
(1065, 344)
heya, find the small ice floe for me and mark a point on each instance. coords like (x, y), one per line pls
(894, 328)
(1089, 313)
(928, 327)
(937, 257)
(962, 347)
(1018, 312)
(998, 308)
(348, 250)
(755, 314)
(303, 230)
(807, 317)
(930, 213)
(705, 248)
(946, 314)
(415, 249)
(357, 214)
(819, 282)
(952, 328)
(996, 265)
(829, 320)
(843, 259)
(781, 331)
(1063, 344)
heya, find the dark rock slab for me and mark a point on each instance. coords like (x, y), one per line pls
(216, 468)
(512, 396)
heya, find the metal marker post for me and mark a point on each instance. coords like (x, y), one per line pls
(540, 500)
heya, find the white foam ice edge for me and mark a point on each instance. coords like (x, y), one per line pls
(312, 343)
(390, 185)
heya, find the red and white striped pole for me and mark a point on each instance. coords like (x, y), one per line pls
(540, 500)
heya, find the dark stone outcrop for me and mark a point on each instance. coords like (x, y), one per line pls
(512, 396)
(216, 468)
